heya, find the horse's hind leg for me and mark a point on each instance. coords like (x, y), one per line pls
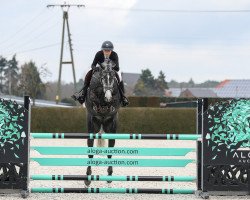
(90, 143)
(111, 128)
(89, 171)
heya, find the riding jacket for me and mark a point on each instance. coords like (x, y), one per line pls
(99, 58)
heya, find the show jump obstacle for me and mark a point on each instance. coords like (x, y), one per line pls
(222, 153)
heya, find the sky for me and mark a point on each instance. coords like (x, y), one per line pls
(167, 35)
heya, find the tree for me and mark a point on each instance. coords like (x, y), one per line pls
(160, 85)
(140, 89)
(161, 82)
(173, 84)
(191, 83)
(11, 75)
(3, 64)
(208, 84)
(147, 85)
(30, 81)
(79, 84)
(147, 78)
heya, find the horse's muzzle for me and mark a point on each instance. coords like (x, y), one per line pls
(108, 96)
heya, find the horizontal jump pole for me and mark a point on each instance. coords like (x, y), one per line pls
(119, 162)
(126, 136)
(115, 151)
(112, 190)
(112, 178)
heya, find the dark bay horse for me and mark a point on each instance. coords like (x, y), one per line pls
(102, 103)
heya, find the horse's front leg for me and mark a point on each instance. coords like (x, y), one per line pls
(90, 143)
(110, 168)
(110, 127)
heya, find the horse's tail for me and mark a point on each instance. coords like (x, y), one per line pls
(100, 142)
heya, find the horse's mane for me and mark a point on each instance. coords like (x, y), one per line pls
(95, 80)
(96, 93)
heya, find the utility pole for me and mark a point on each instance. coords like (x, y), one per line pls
(65, 7)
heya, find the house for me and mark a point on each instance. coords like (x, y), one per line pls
(198, 92)
(130, 80)
(233, 89)
(174, 92)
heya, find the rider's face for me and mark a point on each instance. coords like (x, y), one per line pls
(107, 52)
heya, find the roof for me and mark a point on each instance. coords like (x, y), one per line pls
(130, 79)
(233, 89)
(201, 92)
(174, 92)
(222, 84)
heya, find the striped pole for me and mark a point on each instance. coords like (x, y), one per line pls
(115, 151)
(126, 136)
(113, 178)
(113, 190)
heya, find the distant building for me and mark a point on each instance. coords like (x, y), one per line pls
(233, 89)
(226, 89)
(190, 92)
(198, 92)
(174, 92)
(130, 80)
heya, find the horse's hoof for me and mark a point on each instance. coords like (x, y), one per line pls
(87, 183)
(110, 171)
(109, 181)
(89, 171)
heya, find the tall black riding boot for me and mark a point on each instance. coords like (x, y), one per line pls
(80, 96)
(124, 100)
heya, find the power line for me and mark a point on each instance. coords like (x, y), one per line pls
(167, 10)
(34, 29)
(22, 28)
(65, 5)
(35, 49)
(29, 40)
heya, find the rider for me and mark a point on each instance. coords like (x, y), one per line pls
(105, 53)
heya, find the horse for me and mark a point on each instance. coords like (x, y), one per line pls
(102, 104)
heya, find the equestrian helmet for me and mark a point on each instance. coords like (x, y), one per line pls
(107, 45)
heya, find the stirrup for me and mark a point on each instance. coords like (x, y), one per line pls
(78, 97)
(125, 102)
(81, 99)
(74, 97)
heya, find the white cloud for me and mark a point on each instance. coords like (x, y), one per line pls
(95, 12)
(182, 45)
(214, 62)
(198, 4)
(200, 62)
(227, 4)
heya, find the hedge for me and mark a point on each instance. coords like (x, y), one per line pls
(131, 120)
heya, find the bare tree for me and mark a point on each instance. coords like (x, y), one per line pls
(30, 81)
